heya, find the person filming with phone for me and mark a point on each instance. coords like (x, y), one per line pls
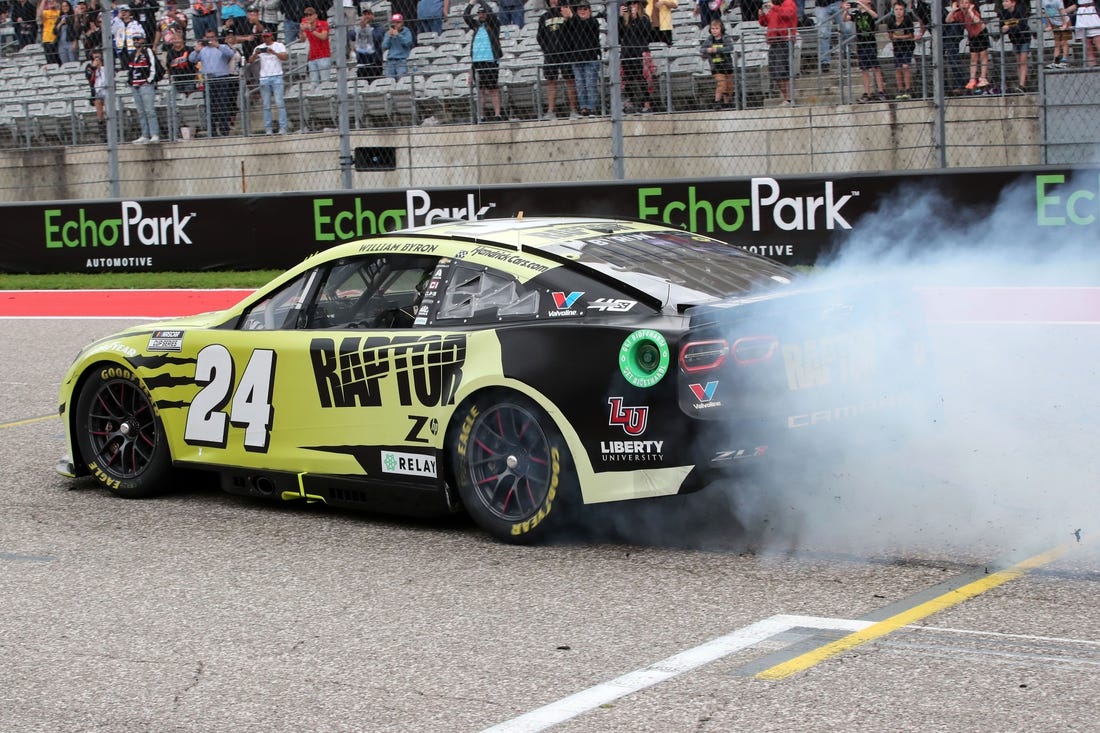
(271, 54)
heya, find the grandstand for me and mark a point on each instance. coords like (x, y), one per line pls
(47, 105)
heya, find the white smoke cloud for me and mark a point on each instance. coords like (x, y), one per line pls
(1011, 462)
(1013, 459)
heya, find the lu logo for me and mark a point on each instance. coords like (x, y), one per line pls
(631, 419)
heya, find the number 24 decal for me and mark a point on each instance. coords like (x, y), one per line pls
(207, 421)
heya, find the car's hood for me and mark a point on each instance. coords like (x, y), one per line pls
(199, 320)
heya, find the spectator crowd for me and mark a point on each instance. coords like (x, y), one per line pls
(208, 46)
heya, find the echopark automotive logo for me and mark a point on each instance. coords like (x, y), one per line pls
(631, 419)
(561, 300)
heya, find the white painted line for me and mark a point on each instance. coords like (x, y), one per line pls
(87, 318)
(1024, 637)
(995, 322)
(592, 698)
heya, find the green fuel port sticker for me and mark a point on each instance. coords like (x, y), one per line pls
(643, 357)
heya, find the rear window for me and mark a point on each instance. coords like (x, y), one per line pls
(675, 265)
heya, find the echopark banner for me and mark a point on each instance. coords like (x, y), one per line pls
(792, 219)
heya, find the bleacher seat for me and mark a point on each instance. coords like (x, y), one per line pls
(191, 111)
(401, 101)
(525, 97)
(454, 50)
(377, 98)
(57, 123)
(319, 106)
(31, 50)
(295, 108)
(422, 58)
(454, 35)
(433, 95)
(459, 107)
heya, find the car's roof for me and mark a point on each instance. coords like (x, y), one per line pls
(531, 229)
(664, 263)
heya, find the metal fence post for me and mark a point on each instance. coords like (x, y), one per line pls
(615, 79)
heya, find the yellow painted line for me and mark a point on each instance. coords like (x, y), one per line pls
(912, 615)
(28, 421)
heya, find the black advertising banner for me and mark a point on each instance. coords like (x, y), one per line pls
(791, 219)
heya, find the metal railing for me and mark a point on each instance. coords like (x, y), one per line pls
(437, 98)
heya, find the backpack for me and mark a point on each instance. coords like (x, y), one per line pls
(157, 65)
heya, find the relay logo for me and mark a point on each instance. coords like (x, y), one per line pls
(409, 464)
(561, 300)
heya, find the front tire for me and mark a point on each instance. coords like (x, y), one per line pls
(121, 438)
(513, 469)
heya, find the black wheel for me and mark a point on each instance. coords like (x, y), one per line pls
(513, 469)
(121, 438)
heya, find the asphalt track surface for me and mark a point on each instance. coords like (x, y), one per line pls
(907, 591)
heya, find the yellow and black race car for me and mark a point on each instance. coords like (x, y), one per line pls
(514, 368)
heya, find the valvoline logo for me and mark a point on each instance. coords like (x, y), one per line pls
(561, 300)
(704, 393)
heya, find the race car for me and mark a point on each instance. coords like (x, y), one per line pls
(517, 369)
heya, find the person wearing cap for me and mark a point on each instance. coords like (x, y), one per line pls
(485, 53)
(219, 85)
(396, 43)
(123, 28)
(407, 10)
(292, 11)
(368, 37)
(314, 31)
(271, 55)
(583, 32)
(143, 78)
(250, 35)
(557, 55)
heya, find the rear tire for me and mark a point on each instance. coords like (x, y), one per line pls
(513, 469)
(121, 438)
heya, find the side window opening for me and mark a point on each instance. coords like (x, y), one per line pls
(380, 291)
(281, 309)
(486, 295)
